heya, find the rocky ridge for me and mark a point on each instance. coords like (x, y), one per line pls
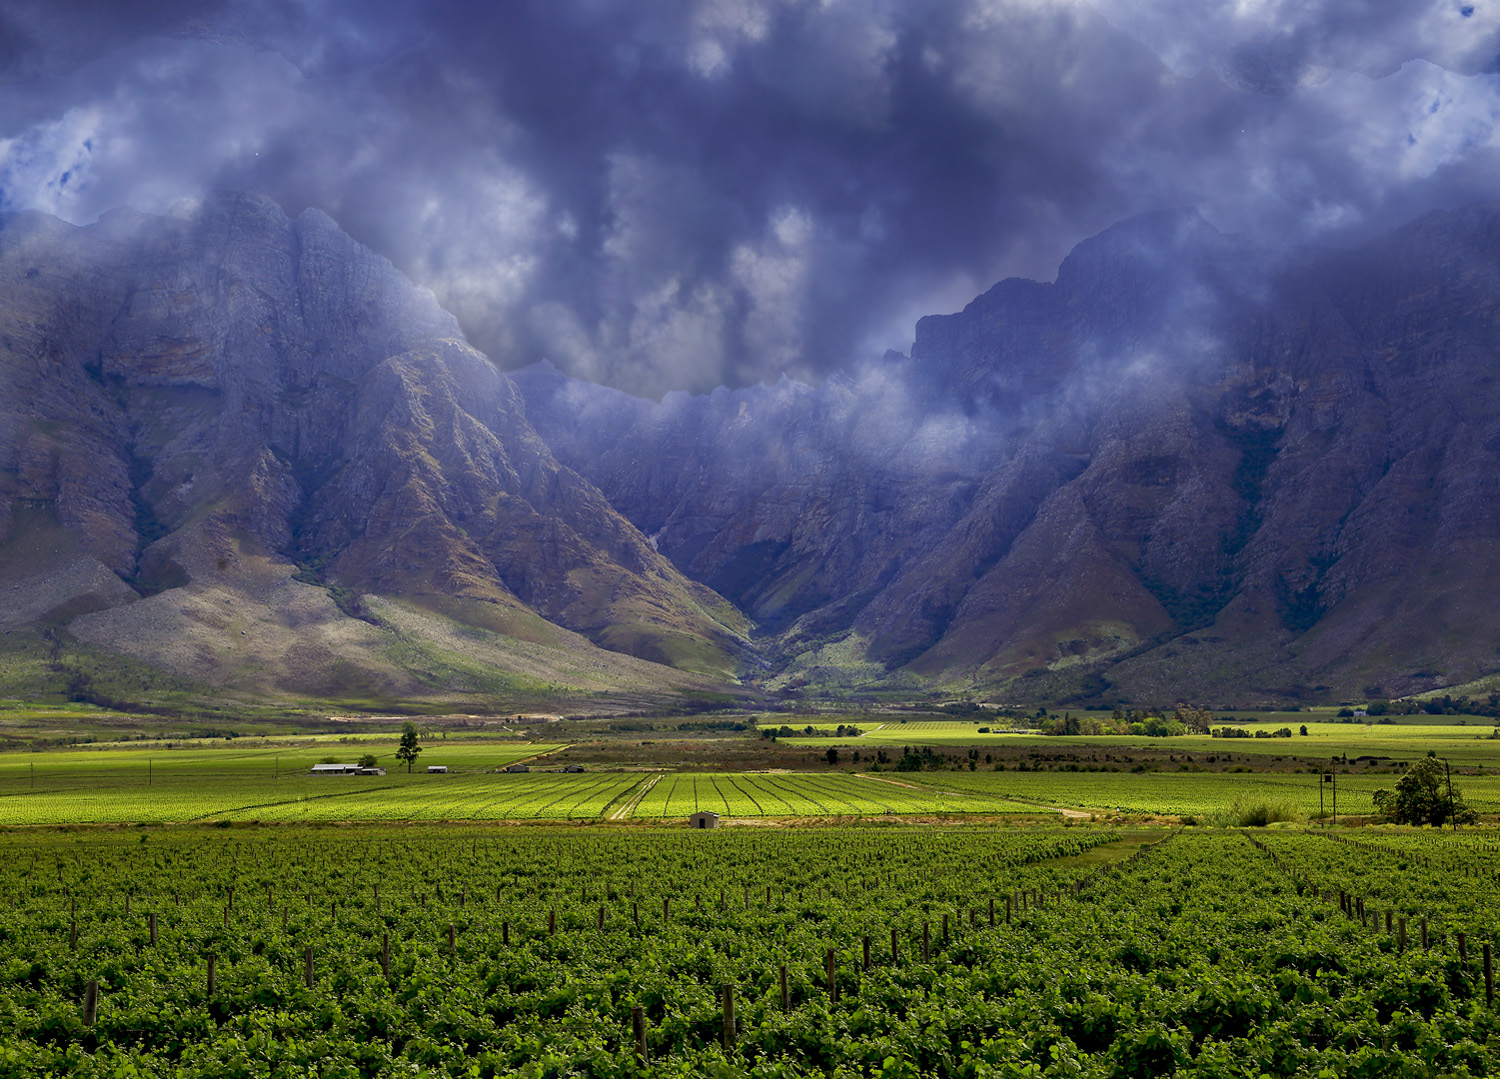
(1186, 468)
(245, 449)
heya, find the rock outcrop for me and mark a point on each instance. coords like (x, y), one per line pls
(228, 406)
(1186, 468)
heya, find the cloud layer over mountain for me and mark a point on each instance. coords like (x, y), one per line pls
(679, 195)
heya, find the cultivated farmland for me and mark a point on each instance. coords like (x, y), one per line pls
(893, 952)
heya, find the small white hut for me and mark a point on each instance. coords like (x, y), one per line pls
(704, 818)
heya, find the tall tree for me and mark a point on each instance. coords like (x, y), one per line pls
(1425, 795)
(408, 749)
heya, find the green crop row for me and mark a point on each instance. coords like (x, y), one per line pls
(1016, 952)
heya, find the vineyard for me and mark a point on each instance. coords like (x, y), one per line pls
(1188, 793)
(249, 790)
(832, 952)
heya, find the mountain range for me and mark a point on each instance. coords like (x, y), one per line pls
(242, 455)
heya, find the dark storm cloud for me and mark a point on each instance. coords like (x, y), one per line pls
(678, 194)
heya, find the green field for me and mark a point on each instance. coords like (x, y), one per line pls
(262, 782)
(271, 783)
(1403, 738)
(836, 794)
(1196, 793)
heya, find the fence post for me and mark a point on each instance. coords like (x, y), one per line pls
(831, 962)
(1401, 936)
(729, 1017)
(786, 995)
(307, 966)
(926, 942)
(385, 955)
(1489, 977)
(153, 929)
(992, 912)
(867, 953)
(212, 965)
(90, 1002)
(638, 1027)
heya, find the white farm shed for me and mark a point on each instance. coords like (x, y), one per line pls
(704, 818)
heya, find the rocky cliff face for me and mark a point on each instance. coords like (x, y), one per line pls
(243, 450)
(1187, 468)
(220, 429)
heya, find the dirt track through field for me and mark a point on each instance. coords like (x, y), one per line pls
(627, 808)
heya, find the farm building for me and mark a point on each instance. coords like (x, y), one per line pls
(518, 768)
(344, 770)
(704, 819)
(435, 769)
(573, 768)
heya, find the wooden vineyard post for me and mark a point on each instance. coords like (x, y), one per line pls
(666, 909)
(866, 942)
(973, 918)
(638, 1028)
(601, 918)
(635, 911)
(1388, 923)
(894, 954)
(786, 994)
(284, 912)
(992, 912)
(552, 922)
(377, 899)
(385, 955)
(729, 1017)
(213, 962)
(1463, 949)
(153, 929)
(1489, 977)
(72, 932)
(1426, 947)
(926, 942)
(452, 940)
(307, 966)
(127, 904)
(505, 933)
(90, 1002)
(945, 930)
(830, 963)
(1007, 910)
(1401, 936)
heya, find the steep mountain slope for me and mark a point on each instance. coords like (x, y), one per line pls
(245, 449)
(1185, 468)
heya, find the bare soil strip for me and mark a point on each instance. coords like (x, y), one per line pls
(627, 808)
